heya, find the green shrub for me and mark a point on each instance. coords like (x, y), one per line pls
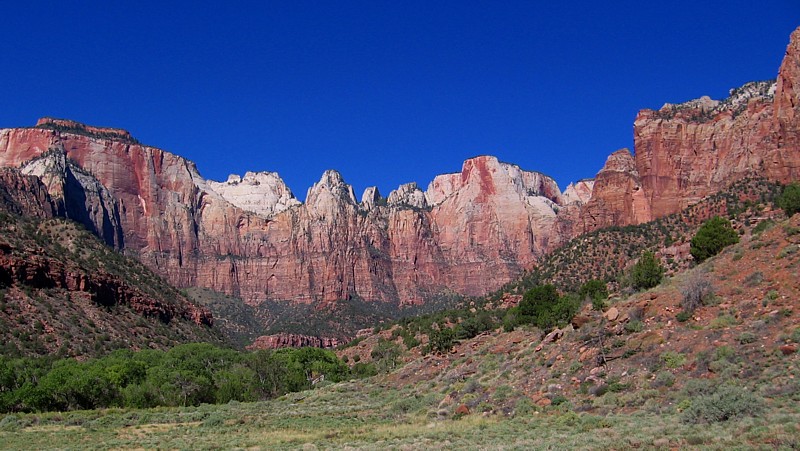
(596, 291)
(727, 402)
(714, 235)
(545, 309)
(723, 321)
(762, 226)
(361, 370)
(634, 326)
(789, 200)
(747, 337)
(664, 379)
(647, 272)
(673, 359)
(442, 340)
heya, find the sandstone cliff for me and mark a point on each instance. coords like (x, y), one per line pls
(286, 340)
(468, 233)
(686, 152)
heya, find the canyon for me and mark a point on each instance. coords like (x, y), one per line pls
(468, 232)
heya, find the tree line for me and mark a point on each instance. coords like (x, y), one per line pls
(188, 374)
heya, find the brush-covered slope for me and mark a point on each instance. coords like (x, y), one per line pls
(64, 291)
(731, 356)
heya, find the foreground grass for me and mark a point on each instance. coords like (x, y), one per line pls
(360, 415)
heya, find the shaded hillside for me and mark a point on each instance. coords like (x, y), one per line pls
(336, 322)
(63, 291)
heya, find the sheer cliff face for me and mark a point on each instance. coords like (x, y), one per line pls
(469, 232)
(685, 152)
(249, 236)
(477, 234)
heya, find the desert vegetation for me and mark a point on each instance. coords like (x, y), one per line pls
(185, 375)
(714, 235)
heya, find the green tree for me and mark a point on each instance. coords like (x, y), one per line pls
(596, 291)
(441, 339)
(713, 236)
(647, 272)
(789, 200)
(270, 373)
(237, 383)
(385, 355)
(545, 309)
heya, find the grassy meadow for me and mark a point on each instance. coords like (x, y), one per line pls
(363, 415)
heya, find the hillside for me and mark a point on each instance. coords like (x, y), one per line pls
(634, 378)
(639, 356)
(606, 253)
(62, 291)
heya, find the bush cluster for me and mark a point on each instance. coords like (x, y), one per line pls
(726, 402)
(647, 272)
(543, 307)
(789, 200)
(714, 235)
(185, 375)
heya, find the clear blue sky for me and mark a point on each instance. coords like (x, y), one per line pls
(386, 92)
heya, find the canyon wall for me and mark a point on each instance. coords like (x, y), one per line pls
(249, 236)
(687, 151)
(469, 232)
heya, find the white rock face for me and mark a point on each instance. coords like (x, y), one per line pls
(263, 193)
(578, 192)
(370, 198)
(442, 187)
(408, 195)
(329, 194)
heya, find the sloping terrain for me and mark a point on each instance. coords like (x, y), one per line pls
(63, 291)
(641, 354)
(605, 254)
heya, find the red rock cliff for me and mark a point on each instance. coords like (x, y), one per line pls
(470, 235)
(685, 152)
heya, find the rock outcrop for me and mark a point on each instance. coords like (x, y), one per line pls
(578, 192)
(286, 340)
(617, 196)
(77, 195)
(21, 194)
(263, 193)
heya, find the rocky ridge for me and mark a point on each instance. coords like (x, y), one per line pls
(687, 151)
(286, 340)
(63, 290)
(468, 233)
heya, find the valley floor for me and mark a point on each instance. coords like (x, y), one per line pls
(364, 415)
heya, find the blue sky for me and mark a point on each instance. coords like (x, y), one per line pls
(385, 92)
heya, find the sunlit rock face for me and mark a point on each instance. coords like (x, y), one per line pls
(263, 193)
(469, 232)
(688, 151)
(249, 235)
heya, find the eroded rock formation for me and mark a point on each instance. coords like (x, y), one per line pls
(468, 233)
(286, 340)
